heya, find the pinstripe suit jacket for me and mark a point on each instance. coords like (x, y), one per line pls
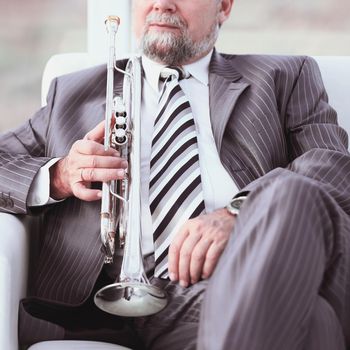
(269, 115)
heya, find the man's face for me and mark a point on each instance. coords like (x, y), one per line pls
(176, 32)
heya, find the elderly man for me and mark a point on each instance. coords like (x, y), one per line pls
(245, 196)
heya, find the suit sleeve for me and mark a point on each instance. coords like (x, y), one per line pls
(317, 144)
(22, 154)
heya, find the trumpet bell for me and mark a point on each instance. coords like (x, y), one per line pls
(131, 299)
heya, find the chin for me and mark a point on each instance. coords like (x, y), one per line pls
(162, 36)
(167, 47)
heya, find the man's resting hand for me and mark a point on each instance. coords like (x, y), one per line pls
(197, 247)
(86, 162)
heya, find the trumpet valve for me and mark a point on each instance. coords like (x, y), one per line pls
(120, 137)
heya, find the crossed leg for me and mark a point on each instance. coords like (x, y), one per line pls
(265, 292)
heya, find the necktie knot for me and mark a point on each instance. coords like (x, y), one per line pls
(170, 72)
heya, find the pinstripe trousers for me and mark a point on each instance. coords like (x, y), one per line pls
(282, 283)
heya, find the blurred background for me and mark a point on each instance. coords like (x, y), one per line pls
(33, 30)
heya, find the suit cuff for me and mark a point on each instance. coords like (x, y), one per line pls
(39, 193)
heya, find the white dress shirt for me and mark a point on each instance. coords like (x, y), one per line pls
(218, 187)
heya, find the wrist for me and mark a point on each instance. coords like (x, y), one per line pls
(58, 187)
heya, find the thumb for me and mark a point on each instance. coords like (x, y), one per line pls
(97, 133)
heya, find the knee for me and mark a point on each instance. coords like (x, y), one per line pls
(292, 207)
(296, 192)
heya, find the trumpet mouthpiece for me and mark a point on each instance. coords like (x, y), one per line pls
(112, 23)
(113, 19)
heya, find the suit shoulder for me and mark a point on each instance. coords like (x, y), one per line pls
(292, 63)
(272, 67)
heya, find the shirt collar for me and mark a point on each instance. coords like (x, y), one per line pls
(199, 70)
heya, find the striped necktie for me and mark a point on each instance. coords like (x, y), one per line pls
(175, 180)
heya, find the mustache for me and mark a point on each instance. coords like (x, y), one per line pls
(165, 18)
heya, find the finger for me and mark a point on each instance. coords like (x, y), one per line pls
(89, 147)
(185, 257)
(174, 252)
(198, 258)
(97, 133)
(101, 175)
(211, 259)
(107, 162)
(82, 192)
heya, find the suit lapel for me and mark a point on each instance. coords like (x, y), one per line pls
(225, 88)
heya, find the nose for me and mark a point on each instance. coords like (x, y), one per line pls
(164, 6)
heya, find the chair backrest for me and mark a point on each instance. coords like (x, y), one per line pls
(335, 72)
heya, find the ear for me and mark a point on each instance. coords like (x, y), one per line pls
(225, 10)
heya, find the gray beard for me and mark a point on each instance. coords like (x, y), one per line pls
(174, 49)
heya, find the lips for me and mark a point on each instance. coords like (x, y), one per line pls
(163, 26)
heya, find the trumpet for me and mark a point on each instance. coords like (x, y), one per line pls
(132, 295)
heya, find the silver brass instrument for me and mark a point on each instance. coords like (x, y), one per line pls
(132, 295)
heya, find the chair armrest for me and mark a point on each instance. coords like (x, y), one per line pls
(13, 275)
